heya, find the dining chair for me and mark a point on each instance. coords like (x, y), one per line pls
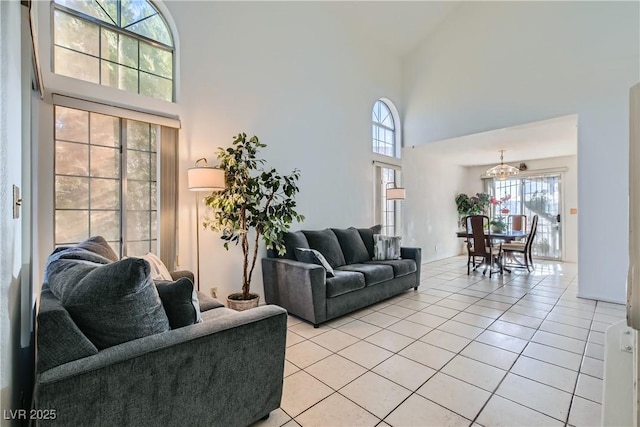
(479, 245)
(517, 222)
(523, 248)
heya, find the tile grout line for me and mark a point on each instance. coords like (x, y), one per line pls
(396, 302)
(528, 342)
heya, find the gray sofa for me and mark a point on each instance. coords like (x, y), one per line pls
(226, 370)
(305, 290)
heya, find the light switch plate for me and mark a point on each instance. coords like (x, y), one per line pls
(17, 202)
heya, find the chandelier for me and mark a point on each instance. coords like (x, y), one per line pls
(502, 171)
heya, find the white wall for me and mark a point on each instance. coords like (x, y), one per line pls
(430, 214)
(13, 296)
(286, 72)
(492, 65)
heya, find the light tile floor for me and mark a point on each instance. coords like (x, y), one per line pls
(514, 350)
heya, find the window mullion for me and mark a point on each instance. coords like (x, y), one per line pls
(123, 187)
(119, 13)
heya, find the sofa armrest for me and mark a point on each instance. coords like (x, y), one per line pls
(175, 275)
(416, 255)
(297, 286)
(164, 378)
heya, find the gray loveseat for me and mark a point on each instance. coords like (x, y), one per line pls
(305, 290)
(226, 370)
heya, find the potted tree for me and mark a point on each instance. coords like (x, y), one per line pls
(255, 204)
(471, 205)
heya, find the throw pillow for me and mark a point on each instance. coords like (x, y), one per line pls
(180, 302)
(293, 240)
(98, 245)
(68, 254)
(326, 242)
(386, 247)
(352, 246)
(111, 303)
(158, 270)
(367, 237)
(311, 256)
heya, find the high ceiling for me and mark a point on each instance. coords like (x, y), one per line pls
(548, 138)
(395, 27)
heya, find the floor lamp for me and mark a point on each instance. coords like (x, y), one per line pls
(203, 178)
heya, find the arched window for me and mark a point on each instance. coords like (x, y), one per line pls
(384, 130)
(125, 44)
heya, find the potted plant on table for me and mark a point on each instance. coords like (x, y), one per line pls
(255, 204)
(498, 224)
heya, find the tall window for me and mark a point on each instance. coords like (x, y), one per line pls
(384, 130)
(125, 44)
(387, 212)
(106, 180)
(388, 206)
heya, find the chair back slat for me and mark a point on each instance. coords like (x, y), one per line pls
(476, 226)
(518, 222)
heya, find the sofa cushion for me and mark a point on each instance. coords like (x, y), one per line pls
(98, 245)
(207, 303)
(401, 267)
(367, 237)
(326, 242)
(311, 256)
(111, 303)
(293, 240)
(386, 247)
(373, 273)
(180, 302)
(352, 246)
(344, 282)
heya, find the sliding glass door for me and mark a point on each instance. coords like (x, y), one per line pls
(534, 195)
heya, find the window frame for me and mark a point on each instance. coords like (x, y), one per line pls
(384, 208)
(166, 175)
(396, 132)
(123, 210)
(119, 30)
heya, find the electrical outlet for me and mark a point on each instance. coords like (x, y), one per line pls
(214, 292)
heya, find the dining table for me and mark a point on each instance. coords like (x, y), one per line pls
(505, 236)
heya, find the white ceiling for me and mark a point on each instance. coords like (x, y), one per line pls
(395, 27)
(538, 140)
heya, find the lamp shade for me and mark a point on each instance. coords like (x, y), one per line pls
(396, 194)
(205, 179)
